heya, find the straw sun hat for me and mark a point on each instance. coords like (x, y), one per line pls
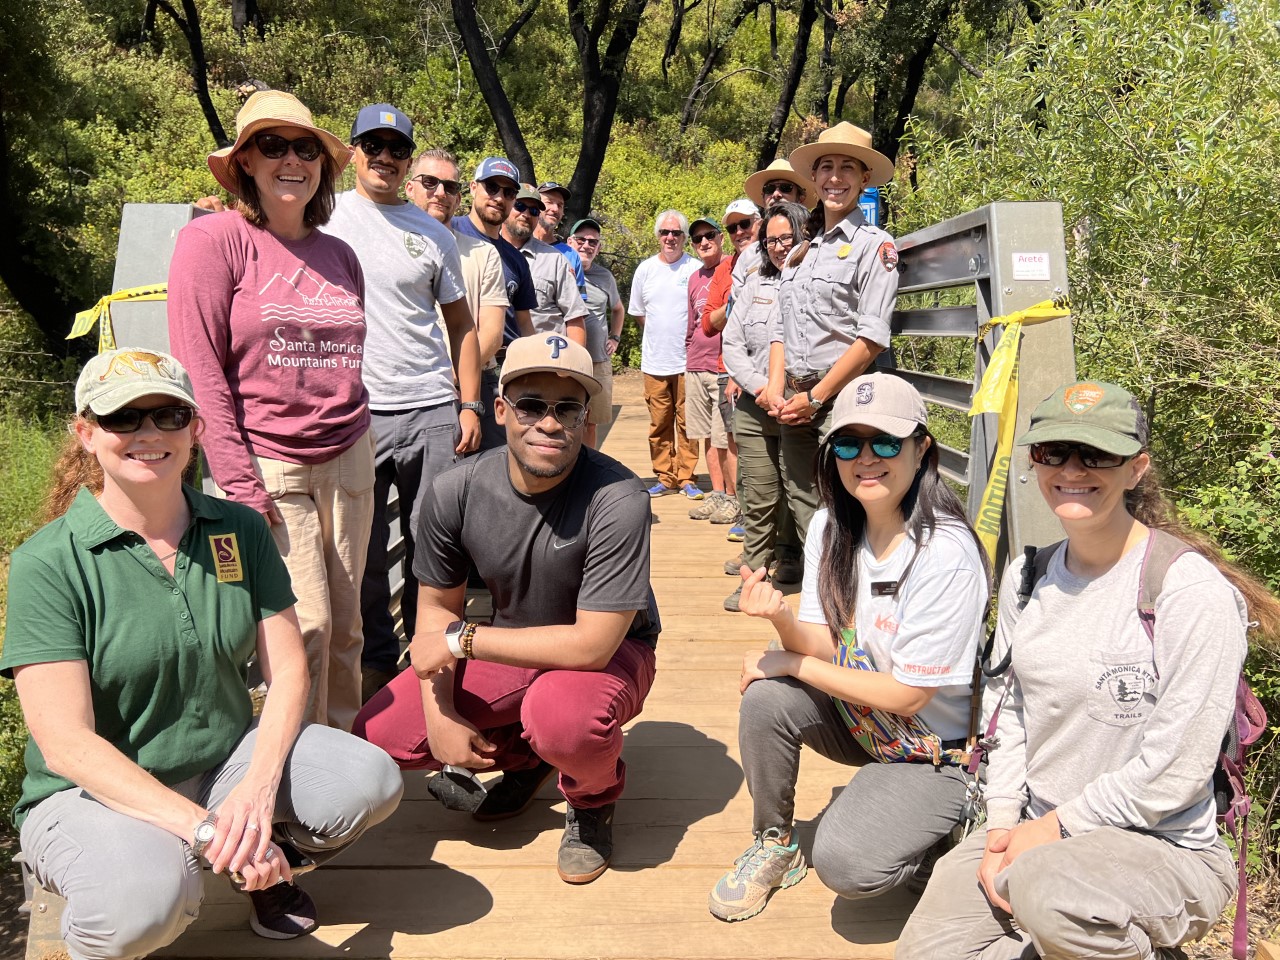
(845, 140)
(273, 108)
(780, 169)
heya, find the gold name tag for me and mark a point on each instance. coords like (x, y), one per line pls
(226, 557)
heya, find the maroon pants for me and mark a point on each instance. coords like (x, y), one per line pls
(571, 718)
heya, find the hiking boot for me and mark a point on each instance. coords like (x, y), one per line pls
(282, 912)
(513, 793)
(789, 570)
(707, 507)
(587, 845)
(731, 601)
(692, 491)
(766, 866)
(737, 533)
(727, 512)
(733, 568)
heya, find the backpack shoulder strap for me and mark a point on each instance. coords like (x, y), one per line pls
(1034, 570)
(1161, 552)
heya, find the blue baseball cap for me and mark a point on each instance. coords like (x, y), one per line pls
(382, 116)
(497, 167)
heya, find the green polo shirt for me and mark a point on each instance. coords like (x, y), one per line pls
(167, 654)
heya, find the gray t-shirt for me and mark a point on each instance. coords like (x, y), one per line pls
(602, 294)
(410, 263)
(1102, 724)
(583, 545)
(555, 286)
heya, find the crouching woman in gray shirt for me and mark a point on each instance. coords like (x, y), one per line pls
(1100, 838)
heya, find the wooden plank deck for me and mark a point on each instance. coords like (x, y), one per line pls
(430, 883)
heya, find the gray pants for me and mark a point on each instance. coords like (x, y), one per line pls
(766, 514)
(411, 448)
(875, 833)
(1108, 893)
(131, 888)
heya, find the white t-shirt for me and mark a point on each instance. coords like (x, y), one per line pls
(660, 294)
(410, 263)
(928, 635)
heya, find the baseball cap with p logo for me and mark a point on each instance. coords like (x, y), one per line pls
(549, 353)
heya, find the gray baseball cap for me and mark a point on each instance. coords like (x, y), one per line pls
(882, 401)
(115, 378)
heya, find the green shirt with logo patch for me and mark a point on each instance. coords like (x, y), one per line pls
(167, 655)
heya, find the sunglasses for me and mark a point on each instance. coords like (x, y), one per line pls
(703, 237)
(373, 147)
(784, 187)
(671, 233)
(586, 241)
(1056, 454)
(784, 241)
(494, 188)
(522, 207)
(883, 446)
(130, 419)
(740, 226)
(531, 410)
(273, 146)
(430, 184)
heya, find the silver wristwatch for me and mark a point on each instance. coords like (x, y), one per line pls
(204, 833)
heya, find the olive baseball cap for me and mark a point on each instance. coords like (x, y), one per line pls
(549, 353)
(530, 197)
(1093, 412)
(116, 378)
(881, 401)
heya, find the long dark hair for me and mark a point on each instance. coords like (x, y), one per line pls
(927, 504)
(796, 216)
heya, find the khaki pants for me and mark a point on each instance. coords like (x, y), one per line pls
(328, 515)
(769, 529)
(799, 445)
(673, 454)
(1107, 893)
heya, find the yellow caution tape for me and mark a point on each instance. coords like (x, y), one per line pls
(998, 393)
(100, 313)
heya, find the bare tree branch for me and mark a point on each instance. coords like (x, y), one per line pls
(965, 65)
(516, 26)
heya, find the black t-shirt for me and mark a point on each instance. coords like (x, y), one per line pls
(582, 545)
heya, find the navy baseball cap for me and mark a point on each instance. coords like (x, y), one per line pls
(497, 167)
(382, 116)
(551, 185)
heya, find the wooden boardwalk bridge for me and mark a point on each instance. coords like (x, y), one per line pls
(430, 883)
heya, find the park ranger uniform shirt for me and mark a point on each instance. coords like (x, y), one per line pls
(842, 290)
(559, 299)
(749, 330)
(166, 654)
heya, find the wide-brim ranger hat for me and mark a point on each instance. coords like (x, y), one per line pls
(881, 401)
(273, 108)
(549, 353)
(1093, 412)
(845, 140)
(116, 378)
(780, 169)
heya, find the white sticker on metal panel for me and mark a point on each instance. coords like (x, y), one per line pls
(1031, 266)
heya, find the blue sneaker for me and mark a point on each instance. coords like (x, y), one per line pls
(660, 490)
(691, 491)
(737, 533)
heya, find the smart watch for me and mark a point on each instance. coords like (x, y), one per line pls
(205, 830)
(453, 637)
(475, 406)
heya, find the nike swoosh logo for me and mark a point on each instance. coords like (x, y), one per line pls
(566, 543)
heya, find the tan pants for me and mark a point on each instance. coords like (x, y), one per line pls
(673, 454)
(328, 513)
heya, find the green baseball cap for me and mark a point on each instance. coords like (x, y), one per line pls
(709, 221)
(1093, 412)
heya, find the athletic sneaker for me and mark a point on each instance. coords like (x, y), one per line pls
(737, 533)
(691, 491)
(727, 512)
(789, 570)
(733, 568)
(708, 506)
(586, 846)
(766, 866)
(732, 600)
(513, 793)
(282, 912)
(660, 490)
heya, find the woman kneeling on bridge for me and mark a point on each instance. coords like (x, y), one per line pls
(132, 615)
(878, 664)
(1100, 838)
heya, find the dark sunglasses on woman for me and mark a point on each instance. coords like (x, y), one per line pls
(784, 187)
(1055, 454)
(531, 410)
(273, 146)
(130, 419)
(847, 447)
